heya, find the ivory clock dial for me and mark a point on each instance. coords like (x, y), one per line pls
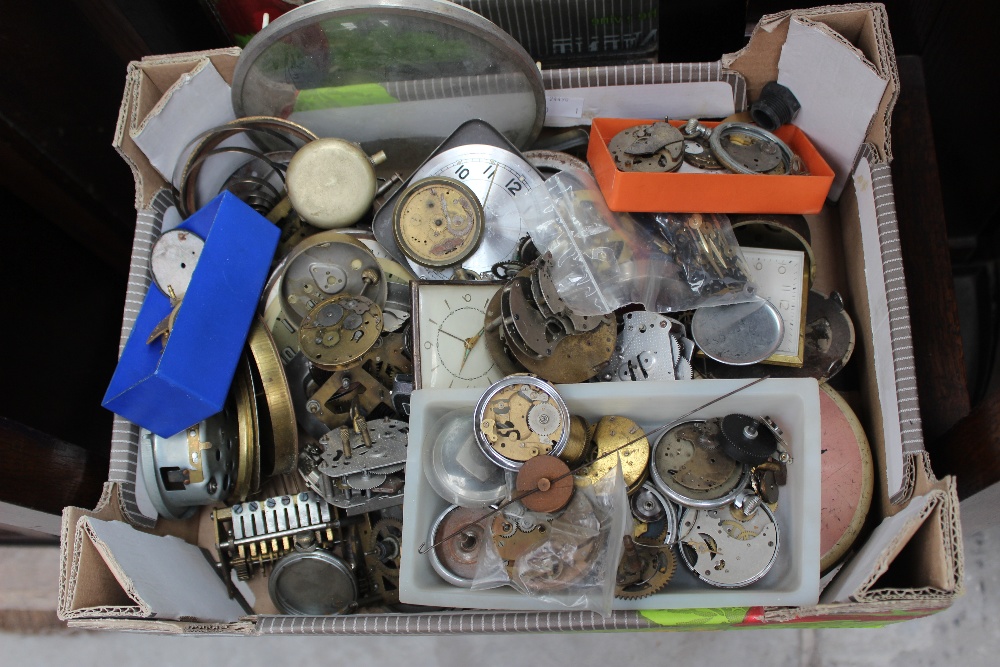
(449, 346)
(781, 278)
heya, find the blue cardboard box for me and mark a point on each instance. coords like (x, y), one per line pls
(168, 387)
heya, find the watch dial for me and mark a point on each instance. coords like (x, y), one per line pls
(451, 327)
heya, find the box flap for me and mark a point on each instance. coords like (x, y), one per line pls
(839, 91)
(164, 576)
(197, 100)
(912, 554)
(147, 83)
(862, 26)
(87, 587)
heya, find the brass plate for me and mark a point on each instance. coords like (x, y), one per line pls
(612, 433)
(339, 331)
(278, 397)
(438, 221)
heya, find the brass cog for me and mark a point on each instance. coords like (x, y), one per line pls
(386, 541)
(649, 534)
(658, 567)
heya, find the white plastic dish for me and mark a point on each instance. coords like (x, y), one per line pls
(792, 403)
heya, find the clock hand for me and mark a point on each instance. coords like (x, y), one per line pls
(469, 344)
(492, 178)
(465, 358)
(446, 333)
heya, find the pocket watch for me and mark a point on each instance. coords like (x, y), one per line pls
(479, 157)
(449, 350)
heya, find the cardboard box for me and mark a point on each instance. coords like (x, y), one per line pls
(910, 565)
(635, 191)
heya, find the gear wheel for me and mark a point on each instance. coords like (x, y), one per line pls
(503, 526)
(650, 534)
(543, 419)
(747, 440)
(658, 567)
(386, 541)
(387, 470)
(365, 480)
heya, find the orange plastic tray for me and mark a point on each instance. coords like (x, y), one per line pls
(708, 193)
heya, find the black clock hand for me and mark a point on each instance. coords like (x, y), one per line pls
(452, 335)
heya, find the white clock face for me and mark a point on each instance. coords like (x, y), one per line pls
(450, 348)
(780, 278)
(503, 182)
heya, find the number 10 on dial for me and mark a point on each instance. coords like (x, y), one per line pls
(449, 348)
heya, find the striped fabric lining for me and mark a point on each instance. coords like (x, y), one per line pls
(125, 434)
(625, 75)
(452, 623)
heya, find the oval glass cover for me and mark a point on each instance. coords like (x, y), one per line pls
(390, 75)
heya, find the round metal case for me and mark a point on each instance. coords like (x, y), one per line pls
(738, 334)
(520, 417)
(503, 183)
(748, 149)
(312, 583)
(455, 560)
(725, 548)
(326, 265)
(689, 466)
(829, 344)
(369, 71)
(656, 514)
(192, 468)
(438, 221)
(331, 183)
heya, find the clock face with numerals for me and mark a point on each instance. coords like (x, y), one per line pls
(503, 182)
(780, 276)
(449, 348)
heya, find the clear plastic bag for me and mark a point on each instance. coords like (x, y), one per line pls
(570, 558)
(604, 260)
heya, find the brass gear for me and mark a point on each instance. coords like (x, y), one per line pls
(386, 539)
(658, 567)
(649, 534)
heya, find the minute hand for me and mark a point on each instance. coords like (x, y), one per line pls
(469, 344)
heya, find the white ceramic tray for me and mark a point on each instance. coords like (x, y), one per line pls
(792, 403)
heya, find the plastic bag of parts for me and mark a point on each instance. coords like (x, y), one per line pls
(569, 559)
(604, 260)
(707, 257)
